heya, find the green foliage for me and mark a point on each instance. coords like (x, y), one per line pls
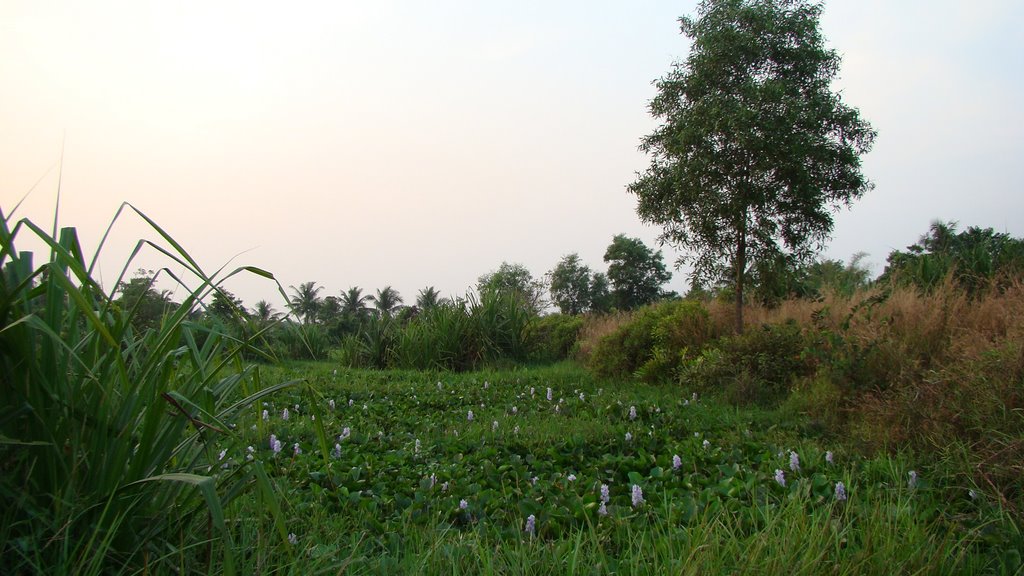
(975, 258)
(758, 367)
(388, 501)
(654, 342)
(570, 283)
(516, 281)
(636, 272)
(552, 338)
(145, 305)
(456, 336)
(428, 298)
(294, 341)
(108, 435)
(387, 301)
(441, 337)
(305, 301)
(754, 150)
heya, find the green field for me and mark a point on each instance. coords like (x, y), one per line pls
(415, 485)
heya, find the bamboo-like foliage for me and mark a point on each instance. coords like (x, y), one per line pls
(106, 433)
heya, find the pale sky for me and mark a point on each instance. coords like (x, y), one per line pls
(423, 143)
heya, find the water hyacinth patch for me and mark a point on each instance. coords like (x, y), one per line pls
(336, 453)
(829, 457)
(469, 416)
(266, 415)
(534, 470)
(297, 449)
(629, 437)
(284, 414)
(531, 525)
(794, 461)
(912, 479)
(632, 412)
(549, 395)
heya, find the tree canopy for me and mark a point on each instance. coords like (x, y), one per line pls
(517, 281)
(570, 285)
(755, 151)
(636, 272)
(975, 257)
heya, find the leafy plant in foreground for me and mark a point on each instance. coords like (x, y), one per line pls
(107, 430)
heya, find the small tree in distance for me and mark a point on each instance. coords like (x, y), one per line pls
(516, 280)
(570, 282)
(755, 150)
(636, 272)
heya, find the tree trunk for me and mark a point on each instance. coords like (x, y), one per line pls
(741, 265)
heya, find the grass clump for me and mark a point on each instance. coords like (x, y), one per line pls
(110, 430)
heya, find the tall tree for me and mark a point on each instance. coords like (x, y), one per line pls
(516, 280)
(305, 302)
(148, 304)
(600, 293)
(226, 306)
(353, 303)
(387, 301)
(755, 150)
(569, 285)
(263, 313)
(636, 272)
(428, 298)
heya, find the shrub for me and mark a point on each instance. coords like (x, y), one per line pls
(756, 367)
(107, 455)
(554, 337)
(654, 342)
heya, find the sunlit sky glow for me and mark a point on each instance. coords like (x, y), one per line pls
(423, 143)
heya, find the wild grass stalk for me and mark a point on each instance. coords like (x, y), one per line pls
(108, 433)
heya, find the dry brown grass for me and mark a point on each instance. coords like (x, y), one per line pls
(596, 327)
(899, 368)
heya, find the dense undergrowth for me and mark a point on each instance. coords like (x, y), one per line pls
(893, 368)
(876, 432)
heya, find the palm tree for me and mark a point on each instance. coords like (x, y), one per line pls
(353, 303)
(264, 313)
(428, 298)
(305, 303)
(387, 301)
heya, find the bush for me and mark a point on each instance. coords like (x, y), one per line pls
(110, 426)
(654, 343)
(756, 367)
(553, 337)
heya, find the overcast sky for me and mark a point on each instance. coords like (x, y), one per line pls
(423, 143)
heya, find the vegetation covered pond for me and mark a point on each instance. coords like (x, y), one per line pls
(550, 471)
